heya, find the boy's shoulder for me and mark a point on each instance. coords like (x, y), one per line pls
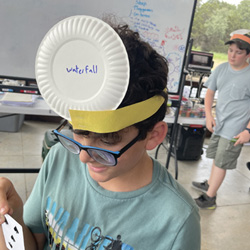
(220, 69)
(222, 66)
(172, 189)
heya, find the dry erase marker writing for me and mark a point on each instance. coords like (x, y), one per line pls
(29, 91)
(7, 90)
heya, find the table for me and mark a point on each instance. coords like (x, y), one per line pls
(186, 120)
(40, 108)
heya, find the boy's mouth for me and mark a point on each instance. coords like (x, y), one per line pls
(96, 169)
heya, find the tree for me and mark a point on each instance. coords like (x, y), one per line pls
(243, 13)
(202, 15)
(215, 20)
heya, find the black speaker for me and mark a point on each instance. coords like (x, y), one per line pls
(190, 142)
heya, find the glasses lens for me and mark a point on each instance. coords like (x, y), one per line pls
(102, 157)
(71, 146)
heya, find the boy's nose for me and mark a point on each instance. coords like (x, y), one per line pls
(85, 157)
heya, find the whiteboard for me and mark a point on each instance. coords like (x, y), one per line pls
(165, 24)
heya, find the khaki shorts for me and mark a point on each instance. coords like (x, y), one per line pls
(223, 151)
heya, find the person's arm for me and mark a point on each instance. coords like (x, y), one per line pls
(209, 98)
(243, 137)
(11, 203)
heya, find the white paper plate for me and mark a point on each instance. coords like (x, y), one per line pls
(82, 64)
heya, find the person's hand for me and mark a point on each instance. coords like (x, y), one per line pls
(12, 204)
(242, 137)
(210, 123)
(10, 201)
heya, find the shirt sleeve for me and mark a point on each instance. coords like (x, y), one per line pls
(211, 83)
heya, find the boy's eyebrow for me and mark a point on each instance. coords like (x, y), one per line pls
(112, 137)
(80, 132)
(83, 133)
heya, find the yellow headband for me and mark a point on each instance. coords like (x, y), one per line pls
(108, 121)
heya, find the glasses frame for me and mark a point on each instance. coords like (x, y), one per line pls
(116, 154)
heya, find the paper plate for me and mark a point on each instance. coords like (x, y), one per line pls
(82, 64)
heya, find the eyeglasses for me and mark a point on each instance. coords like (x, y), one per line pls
(103, 156)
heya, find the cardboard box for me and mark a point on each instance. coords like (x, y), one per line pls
(11, 122)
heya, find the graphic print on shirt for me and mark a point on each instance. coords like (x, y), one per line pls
(97, 238)
(75, 236)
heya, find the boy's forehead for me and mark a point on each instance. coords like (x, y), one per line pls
(235, 45)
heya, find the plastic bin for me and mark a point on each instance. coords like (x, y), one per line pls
(11, 122)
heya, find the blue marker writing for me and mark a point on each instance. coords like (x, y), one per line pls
(85, 70)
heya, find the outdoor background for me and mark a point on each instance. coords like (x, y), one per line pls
(214, 20)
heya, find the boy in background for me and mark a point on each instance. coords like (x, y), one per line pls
(231, 129)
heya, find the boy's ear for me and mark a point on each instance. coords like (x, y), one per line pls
(157, 135)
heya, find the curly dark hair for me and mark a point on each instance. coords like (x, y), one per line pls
(148, 75)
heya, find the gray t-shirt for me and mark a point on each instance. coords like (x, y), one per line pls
(75, 213)
(233, 103)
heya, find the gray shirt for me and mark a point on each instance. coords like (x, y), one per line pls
(233, 103)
